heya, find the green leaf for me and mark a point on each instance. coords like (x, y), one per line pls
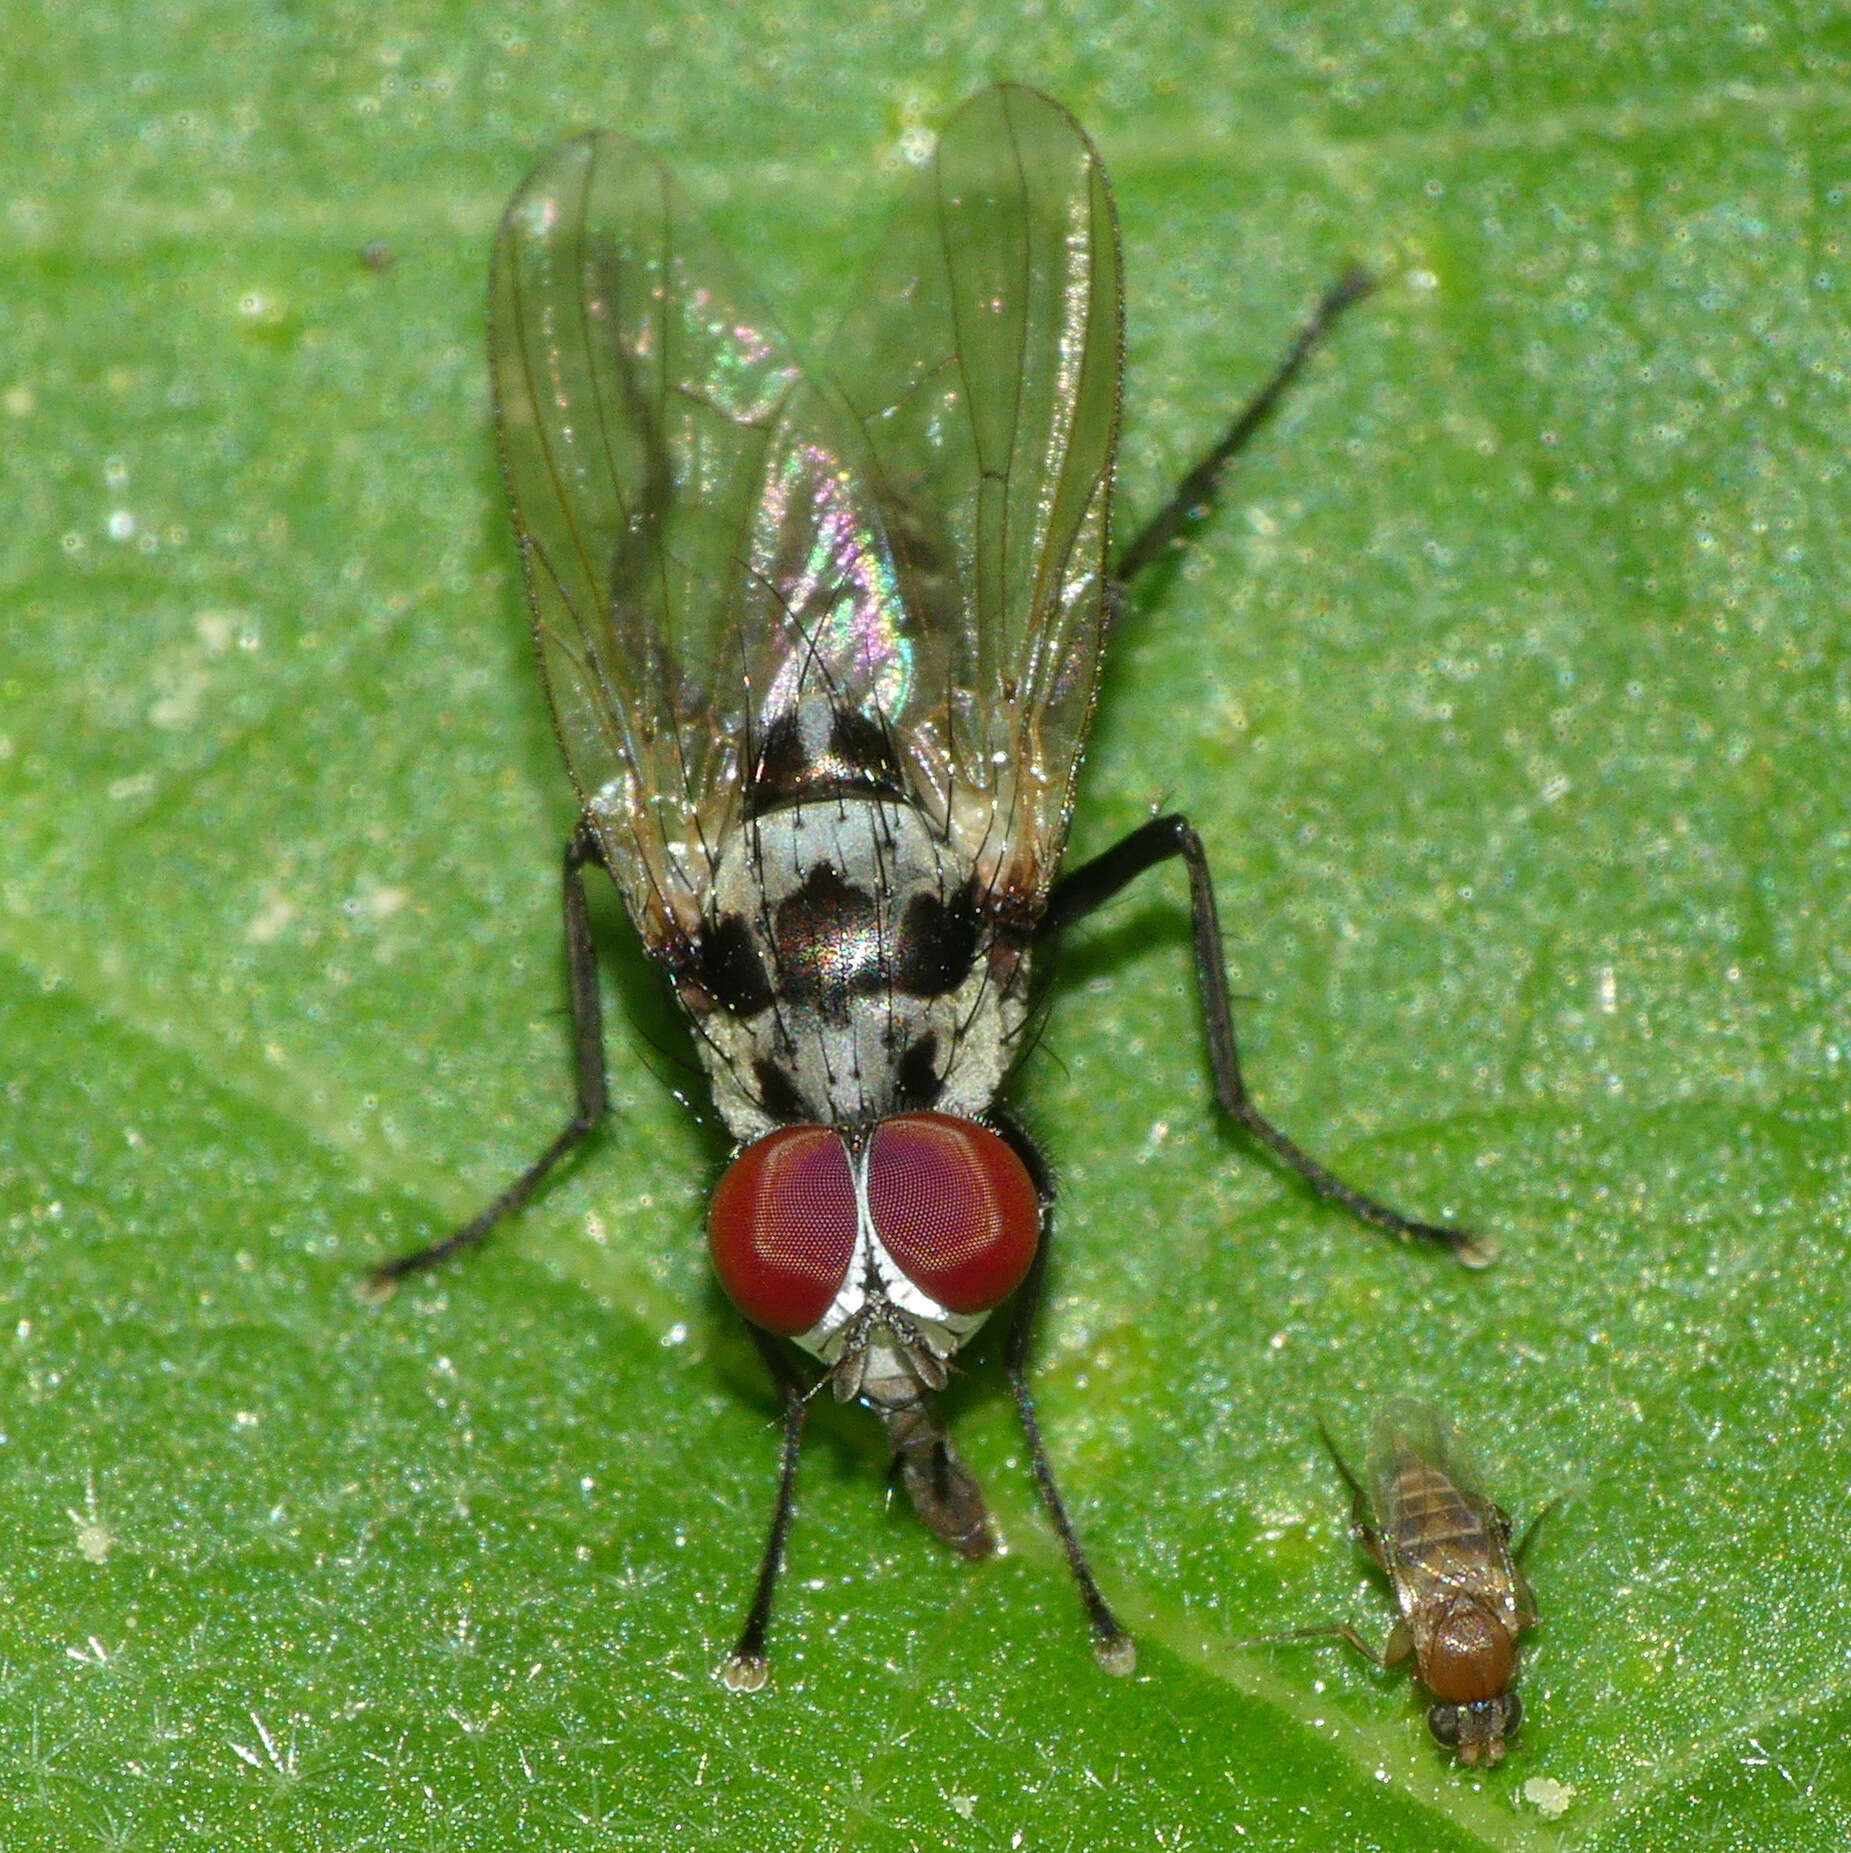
(1508, 690)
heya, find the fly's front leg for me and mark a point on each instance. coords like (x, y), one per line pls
(1112, 1646)
(747, 1667)
(588, 1062)
(1093, 883)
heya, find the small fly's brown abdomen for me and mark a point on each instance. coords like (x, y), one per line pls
(1428, 1519)
(1440, 1547)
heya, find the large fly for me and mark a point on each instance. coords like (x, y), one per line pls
(821, 646)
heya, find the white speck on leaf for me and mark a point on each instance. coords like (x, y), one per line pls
(1548, 1797)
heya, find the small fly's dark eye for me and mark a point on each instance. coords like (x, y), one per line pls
(782, 1227)
(1444, 1722)
(954, 1206)
(1513, 1713)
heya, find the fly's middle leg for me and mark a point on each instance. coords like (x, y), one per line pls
(1383, 1657)
(1093, 883)
(588, 1064)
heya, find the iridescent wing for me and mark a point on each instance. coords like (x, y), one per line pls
(697, 545)
(982, 369)
(1440, 1531)
(708, 536)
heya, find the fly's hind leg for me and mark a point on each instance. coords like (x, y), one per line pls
(1077, 894)
(1195, 495)
(588, 1063)
(1362, 1527)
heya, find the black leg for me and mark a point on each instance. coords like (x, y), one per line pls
(1195, 495)
(746, 1668)
(1114, 1648)
(1093, 883)
(588, 1062)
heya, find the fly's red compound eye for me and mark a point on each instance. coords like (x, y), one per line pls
(954, 1206)
(781, 1227)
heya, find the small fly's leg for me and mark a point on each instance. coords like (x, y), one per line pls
(1095, 882)
(1361, 1526)
(747, 1668)
(1112, 1646)
(1523, 1544)
(1336, 1631)
(1400, 1643)
(588, 1062)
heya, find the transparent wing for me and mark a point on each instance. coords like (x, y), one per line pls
(697, 545)
(1441, 1530)
(982, 370)
(707, 536)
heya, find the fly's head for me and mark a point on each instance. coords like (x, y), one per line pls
(879, 1251)
(1468, 1662)
(1476, 1733)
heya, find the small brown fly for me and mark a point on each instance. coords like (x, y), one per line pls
(822, 644)
(1424, 1516)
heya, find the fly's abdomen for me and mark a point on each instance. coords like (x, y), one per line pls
(1430, 1521)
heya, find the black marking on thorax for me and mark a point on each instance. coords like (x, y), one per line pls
(729, 968)
(836, 941)
(857, 759)
(917, 1082)
(777, 1093)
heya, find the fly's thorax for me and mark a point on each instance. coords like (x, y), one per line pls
(1468, 1651)
(848, 970)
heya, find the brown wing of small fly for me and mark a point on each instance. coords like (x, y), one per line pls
(1439, 1531)
(982, 368)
